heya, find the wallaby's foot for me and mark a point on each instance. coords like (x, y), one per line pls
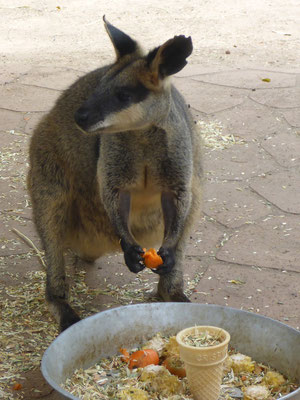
(68, 317)
(63, 313)
(133, 257)
(170, 288)
(180, 297)
(57, 299)
(176, 296)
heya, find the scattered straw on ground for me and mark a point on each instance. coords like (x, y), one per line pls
(214, 138)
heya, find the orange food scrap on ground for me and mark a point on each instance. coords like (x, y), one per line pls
(17, 386)
(151, 258)
(140, 358)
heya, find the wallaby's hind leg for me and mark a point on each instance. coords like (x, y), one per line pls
(57, 289)
(170, 286)
(52, 225)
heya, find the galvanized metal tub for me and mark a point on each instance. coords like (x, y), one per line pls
(102, 334)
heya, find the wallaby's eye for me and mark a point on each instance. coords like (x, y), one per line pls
(123, 96)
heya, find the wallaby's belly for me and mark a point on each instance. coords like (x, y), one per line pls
(145, 200)
(92, 235)
(146, 219)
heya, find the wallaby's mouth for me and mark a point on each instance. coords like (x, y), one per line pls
(83, 120)
(96, 127)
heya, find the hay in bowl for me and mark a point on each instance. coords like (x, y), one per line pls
(102, 335)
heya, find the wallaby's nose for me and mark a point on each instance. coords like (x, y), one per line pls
(81, 117)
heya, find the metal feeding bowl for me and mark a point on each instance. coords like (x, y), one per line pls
(102, 334)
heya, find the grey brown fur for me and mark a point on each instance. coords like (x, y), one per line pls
(115, 165)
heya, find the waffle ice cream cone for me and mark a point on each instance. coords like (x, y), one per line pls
(204, 365)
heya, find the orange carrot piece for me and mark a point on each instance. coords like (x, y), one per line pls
(151, 258)
(142, 358)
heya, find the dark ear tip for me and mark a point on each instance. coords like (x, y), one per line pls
(184, 39)
(186, 42)
(190, 43)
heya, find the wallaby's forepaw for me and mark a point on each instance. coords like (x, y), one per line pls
(168, 256)
(133, 257)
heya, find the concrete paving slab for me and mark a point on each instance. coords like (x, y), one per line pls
(50, 77)
(280, 189)
(14, 269)
(10, 242)
(12, 71)
(274, 294)
(252, 121)
(278, 98)
(192, 70)
(284, 148)
(205, 238)
(293, 117)
(32, 119)
(249, 79)
(16, 97)
(10, 120)
(232, 204)
(272, 243)
(14, 154)
(13, 198)
(238, 163)
(209, 98)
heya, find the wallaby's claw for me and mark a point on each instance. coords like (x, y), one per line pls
(168, 256)
(133, 257)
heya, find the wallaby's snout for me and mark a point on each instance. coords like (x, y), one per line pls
(81, 117)
(114, 104)
(91, 114)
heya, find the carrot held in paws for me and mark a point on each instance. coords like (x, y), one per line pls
(151, 258)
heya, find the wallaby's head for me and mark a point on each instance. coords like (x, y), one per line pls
(134, 92)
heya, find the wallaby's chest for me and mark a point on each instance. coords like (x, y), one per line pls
(135, 161)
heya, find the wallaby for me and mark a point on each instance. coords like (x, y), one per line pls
(116, 165)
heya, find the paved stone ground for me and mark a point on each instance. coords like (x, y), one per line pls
(244, 252)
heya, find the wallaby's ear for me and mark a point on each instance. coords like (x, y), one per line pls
(122, 43)
(170, 57)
